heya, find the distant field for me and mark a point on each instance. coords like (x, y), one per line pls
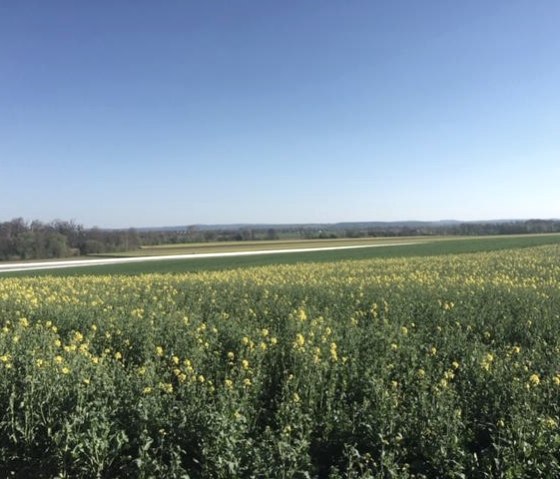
(230, 246)
(432, 248)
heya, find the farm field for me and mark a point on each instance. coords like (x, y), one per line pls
(112, 261)
(441, 366)
(421, 247)
(231, 246)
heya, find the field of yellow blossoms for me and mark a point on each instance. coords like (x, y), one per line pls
(437, 367)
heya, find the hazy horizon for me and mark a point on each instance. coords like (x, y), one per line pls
(268, 223)
(135, 115)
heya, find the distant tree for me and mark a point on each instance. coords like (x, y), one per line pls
(93, 246)
(209, 236)
(271, 234)
(56, 246)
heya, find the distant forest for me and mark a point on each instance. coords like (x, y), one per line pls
(20, 240)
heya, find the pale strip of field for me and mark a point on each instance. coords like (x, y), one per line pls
(234, 246)
(42, 265)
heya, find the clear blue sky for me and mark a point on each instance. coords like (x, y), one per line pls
(135, 113)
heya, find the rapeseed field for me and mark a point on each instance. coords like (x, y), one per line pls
(444, 367)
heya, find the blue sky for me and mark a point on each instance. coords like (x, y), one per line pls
(136, 113)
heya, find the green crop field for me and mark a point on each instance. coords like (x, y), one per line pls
(435, 360)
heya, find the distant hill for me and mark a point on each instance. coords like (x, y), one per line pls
(329, 226)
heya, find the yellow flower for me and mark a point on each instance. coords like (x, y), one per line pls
(487, 361)
(245, 364)
(166, 387)
(231, 356)
(300, 340)
(228, 384)
(404, 330)
(534, 380)
(175, 360)
(550, 422)
(58, 359)
(421, 373)
(147, 390)
(65, 370)
(159, 351)
(86, 381)
(118, 356)
(334, 352)
(247, 382)
(201, 378)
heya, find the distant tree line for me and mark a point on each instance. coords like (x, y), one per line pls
(20, 240)
(60, 239)
(194, 234)
(507, 228)
(459, 229)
